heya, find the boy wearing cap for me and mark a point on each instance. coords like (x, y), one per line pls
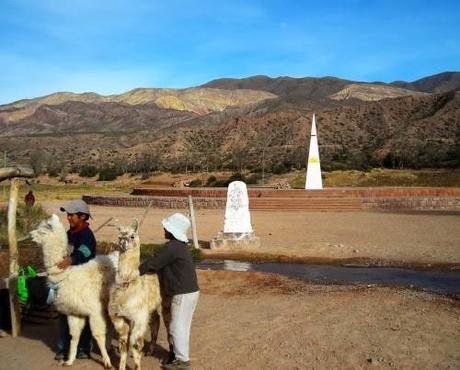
(83, 241)
(176, 271)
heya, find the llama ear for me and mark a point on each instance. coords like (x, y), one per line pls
(135, 225)
(114, 223)
(53, 220)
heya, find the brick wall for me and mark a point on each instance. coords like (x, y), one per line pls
(385, 192)
(383, 203)
(412, 203)
(157, 202)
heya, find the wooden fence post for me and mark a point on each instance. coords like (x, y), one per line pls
(192, 217)
(13, 173)
(14, 255)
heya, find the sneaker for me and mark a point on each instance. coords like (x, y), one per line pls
(177, 365)
(60, 356)
(83, 355)
(171, 357)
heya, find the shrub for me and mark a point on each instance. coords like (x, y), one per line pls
(253, 178)
(27, 218)
(196, 183)
(88, 171)
(279, 168)
(108, 174)
(145, 175)
(211, 180)
(237, 176)
(219, 184)
(298, 182)
(53, 172)
(336, 166)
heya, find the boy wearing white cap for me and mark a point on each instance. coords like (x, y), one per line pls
(174, 266)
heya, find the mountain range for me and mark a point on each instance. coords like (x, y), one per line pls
(244, 123)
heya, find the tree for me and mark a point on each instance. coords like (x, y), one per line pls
(239, 157)
(38, 161)
(270, 136)
(201, 148)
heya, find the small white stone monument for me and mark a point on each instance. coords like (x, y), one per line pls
(238, 230)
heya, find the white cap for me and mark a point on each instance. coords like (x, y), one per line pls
(177, 224)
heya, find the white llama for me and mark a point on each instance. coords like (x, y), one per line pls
(82, 290)
(135, 300)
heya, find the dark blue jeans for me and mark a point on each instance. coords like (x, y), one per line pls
(63, 345)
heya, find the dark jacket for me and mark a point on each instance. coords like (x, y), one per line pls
(84, 245)
(175, 269)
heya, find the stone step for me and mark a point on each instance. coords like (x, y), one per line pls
(317, 206)
(365, 199)
(300, 193)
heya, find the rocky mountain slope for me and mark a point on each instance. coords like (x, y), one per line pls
(439, 83)
(195, 100)
(255, 123)
(371, 92)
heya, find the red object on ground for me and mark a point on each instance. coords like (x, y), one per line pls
(29, 199)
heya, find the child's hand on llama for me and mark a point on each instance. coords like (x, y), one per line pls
(66, 262)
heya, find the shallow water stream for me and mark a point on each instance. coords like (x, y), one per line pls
(440, 282)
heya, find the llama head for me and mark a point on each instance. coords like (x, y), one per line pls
(52, 237)
(128, 236)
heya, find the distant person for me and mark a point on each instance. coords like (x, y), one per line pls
(29, 199)
(179, 288)
(83, 241)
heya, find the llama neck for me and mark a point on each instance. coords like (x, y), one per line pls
(52, 256)
(56, 275)
(128, 265)
(54, 248)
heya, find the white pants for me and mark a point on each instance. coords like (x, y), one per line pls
(182, 309)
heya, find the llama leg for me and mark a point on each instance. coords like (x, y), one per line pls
(166, 313)
(136, 341)
(122, 328)
(166, 302)
(154, 329)
(76, 325)
(98, 326)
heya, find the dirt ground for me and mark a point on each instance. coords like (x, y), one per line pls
(257, 321)
(264, 321)
(416, 237)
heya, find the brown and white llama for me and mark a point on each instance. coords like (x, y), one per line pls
(82, 290)
(135, 300)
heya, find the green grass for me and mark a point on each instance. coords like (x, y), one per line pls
(147, 250)
(346, 178)
(64, 191)
(384, 177)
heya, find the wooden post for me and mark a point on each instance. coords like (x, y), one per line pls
(145, 213)
(14, 266)
(13, 173)
(18, 171)
(192, 217)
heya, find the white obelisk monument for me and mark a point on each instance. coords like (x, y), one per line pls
(237, 218)
(313, 180)
(238, 231)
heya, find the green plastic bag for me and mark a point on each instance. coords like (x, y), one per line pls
(23, 291)
(31, 273)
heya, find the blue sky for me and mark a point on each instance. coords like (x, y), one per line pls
(111, 46)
